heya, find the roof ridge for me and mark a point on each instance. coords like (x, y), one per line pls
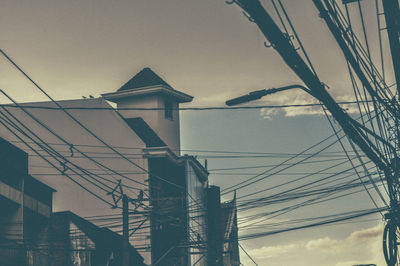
(144, 78)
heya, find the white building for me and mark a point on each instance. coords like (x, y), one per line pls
(139, 144)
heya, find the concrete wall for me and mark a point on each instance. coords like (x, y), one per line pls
(169, 215)
(166, 129)
(23, 227)
(108, 126)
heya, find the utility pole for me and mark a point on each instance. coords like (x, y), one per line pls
(392, 17)
(358, 134)
(125, 220)
(121, 196)
(125, 231)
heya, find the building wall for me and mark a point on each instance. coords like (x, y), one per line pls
(168, 230)
(82, 247)
(149, 116)
(107, 125)
(197, 216)
(12, 217)
(167, 129)
(25, 218)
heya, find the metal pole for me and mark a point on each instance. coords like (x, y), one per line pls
(289, 54)
(392, 13)
(125, 231)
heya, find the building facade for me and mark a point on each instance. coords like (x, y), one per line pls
(137, 145)
(177, 184)
(223, 246)
(26, 205)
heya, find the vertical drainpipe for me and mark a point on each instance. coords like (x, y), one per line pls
(187, 176)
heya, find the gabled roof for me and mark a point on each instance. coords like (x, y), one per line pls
(145, 78)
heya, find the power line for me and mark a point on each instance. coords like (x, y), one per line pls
(181, 108)
(248, 255)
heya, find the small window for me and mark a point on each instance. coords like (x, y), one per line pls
(168, 110)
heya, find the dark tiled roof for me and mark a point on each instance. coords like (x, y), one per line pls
(145, 78)
(145, 132)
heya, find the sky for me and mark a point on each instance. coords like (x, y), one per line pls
(209, 50)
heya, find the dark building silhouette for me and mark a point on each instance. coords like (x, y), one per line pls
(230, 233)
(215, 235)
(76, 241)
(26, 205)
(223, 248)
(31, 235)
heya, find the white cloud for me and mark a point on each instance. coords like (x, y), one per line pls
(324, 244)
(363, 246)
(212, 100)
(272, 251)
(366, 234)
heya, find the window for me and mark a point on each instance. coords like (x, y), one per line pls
(168, 110)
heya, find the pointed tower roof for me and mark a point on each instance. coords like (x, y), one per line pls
(146, 82)
(145, 78)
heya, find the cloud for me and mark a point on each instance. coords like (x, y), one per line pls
(217, 99)
(324, 244)
(272, 251)
(363, 236)
(366, 234)
(363, 246)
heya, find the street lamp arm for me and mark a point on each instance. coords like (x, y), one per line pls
(255, 95)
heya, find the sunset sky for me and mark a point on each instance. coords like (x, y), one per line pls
(209, 50)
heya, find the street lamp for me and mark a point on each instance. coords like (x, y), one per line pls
(255, 95)
(355, 130)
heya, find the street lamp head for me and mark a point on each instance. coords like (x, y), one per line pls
(255, 95)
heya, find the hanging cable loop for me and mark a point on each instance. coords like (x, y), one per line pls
(268, 45)
(71, 149)
(65, 168)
